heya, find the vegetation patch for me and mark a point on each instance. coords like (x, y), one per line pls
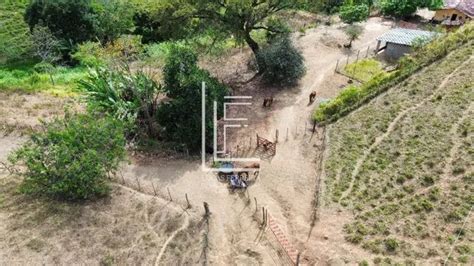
(406, 186)
(364, 70)
(72, 158)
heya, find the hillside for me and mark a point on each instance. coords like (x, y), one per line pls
(402, 164)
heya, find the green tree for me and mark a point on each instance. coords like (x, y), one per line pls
(353, 32)
(68, 20)
(45, 45)
(180, 116)
(112, 18)
(47, 48)
(71, 158)
(354, 13)
(283, 63)
(164, 20)
(405, 8)
(240, 17)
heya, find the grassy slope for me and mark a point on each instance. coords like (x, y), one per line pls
(411, 190)
(14, 39)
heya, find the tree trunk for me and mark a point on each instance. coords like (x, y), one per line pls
(255, 48)
(252, 44)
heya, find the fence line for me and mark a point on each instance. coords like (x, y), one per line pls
(361, 54)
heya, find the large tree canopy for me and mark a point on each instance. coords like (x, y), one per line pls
(240, 17)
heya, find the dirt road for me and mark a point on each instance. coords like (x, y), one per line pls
(287, 183)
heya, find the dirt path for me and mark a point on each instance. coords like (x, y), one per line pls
(165, 245)
(287, 183)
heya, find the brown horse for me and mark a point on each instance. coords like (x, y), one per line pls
(267, 102)
(312, 97)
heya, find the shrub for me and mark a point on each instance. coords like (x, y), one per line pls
(354, 13)
(391, 244)
(43, 67)
(125, 48)
(130, 97)
(180, 117)
(90, 54)
(71, 158)
(281, 63)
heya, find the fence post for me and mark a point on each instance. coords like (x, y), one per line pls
(263, 215)
(298, 259)
(153, 185)
(258, 143)
(138, 182)
(187, 200)
(256, 206)
(206, 209)
(169, 194)
(123, 179)
(266, 217)
(276, 136)
(337, 65)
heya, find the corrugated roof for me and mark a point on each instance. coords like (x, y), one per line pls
(405, 36)
(465, 6)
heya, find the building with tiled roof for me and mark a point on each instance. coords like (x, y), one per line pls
(455, 12)
(397, 42)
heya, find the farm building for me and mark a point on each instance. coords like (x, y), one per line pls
(399, 41)
(455, 12)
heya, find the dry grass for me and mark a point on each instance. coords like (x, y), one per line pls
(126, 228)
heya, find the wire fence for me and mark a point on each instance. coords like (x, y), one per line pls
(361, 54)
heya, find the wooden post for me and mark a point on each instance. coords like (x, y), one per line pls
(258, 143)
(256, 206)
(263, 215)
(266, 217)
(276, 136)
(187, 200)
(337, 65)
(169, 194)
(138, 182)
(206, 209)
(153, 185)
(298, 259)
(314, 126)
